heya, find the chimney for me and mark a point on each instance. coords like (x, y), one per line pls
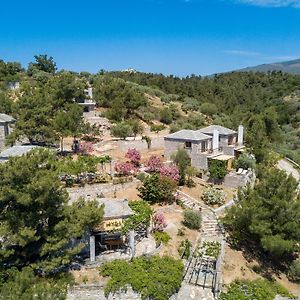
(215, 145)
(90, 92)
(240, 135)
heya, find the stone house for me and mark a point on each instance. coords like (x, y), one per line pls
(212, 142)
(6, 127)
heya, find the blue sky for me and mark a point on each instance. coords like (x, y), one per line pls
(163, 36)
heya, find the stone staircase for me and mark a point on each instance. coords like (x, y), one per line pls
(211, 229)
(199, 276)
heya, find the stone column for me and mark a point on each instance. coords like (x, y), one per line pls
(92, 248)
(215, 143)
(132, 242)
(241, 135)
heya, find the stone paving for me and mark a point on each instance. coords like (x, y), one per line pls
(199, 277)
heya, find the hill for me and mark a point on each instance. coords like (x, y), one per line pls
(291, 67)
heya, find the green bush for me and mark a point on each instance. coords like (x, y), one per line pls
(208, 108)
(140, 219)
(181, 231)
(157, 127)
(257, 269)
(258, 289)
(141, 176)
(245, 162)
(213, 196)
(156, 278)
(161, 237)
(294, 271)
(217, 169)
(184, 249)
(192, 219)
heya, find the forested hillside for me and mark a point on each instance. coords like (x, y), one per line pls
(45, 105)
(267, 104)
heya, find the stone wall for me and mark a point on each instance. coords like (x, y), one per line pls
(5, 129)
(2, 137)
(96, 292)
(198, 159)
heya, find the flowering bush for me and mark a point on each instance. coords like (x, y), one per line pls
(86, 147)
(213, 196)
(159, 222)
(133, 156)
(125, 169)
(154, 164)
(170, 171)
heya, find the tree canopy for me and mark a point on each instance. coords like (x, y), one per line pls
(37, 223)
(267, 216)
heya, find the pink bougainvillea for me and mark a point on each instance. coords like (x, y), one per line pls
(159, 222)
(133, 156)
(125, 168)
(86, 147)
(154, 164)
(170, 171)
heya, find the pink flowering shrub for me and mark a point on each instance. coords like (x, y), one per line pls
(159, 222)
(154, 164)
(170, 171)
(133, 156)
(86, 147)
(125, 168)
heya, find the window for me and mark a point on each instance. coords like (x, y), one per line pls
(204, 146)
(188, 145)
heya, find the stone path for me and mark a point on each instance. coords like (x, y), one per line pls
(200, 271)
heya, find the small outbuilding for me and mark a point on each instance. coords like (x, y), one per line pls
(107, 235)
(15, 151)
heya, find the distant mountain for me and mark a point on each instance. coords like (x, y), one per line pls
(292, 67)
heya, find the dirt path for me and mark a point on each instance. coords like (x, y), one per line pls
(288, 167)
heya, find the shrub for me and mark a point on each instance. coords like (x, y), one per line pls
(208, 108)
(257, 269)
(125, 168)
(166, 116)
(159, 222)
(184, 249)
(161, 237)
(192, 219)
(181, 231)
(170, 171)
(258, 289)
(156, 278)
(141, 176)
(245, 161)
(213, 196)
(157, 127)
(294, 271)
(154, 164)
(140, 219)
(86, 147)
(134, 156)
(217, 169)
(121, 130)
(156, 189)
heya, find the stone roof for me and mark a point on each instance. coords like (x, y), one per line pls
(115, 208)
(222, 130)
(188, 135)
(16, 151)
(4, 118)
